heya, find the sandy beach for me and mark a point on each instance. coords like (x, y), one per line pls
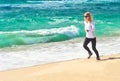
(108, 69)
(44, 40)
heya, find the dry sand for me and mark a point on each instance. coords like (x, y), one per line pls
(108, 69)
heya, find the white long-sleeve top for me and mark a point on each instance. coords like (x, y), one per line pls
(89, 29)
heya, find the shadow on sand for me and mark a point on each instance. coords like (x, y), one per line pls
(110, 58)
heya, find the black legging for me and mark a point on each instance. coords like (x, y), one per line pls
(93, 40)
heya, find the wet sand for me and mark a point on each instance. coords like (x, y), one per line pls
(107, 69)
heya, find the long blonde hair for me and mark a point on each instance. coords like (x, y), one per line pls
(87, 14)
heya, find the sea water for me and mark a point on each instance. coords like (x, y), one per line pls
(36, 32)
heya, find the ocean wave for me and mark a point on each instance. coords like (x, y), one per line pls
(38, 1)
(51, 3)
(69, 31)
(13, 38)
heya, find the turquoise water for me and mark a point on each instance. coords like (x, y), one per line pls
(26, 22)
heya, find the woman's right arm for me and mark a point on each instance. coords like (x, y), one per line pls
(86, 27)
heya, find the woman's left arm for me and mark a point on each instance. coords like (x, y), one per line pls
(93, 26)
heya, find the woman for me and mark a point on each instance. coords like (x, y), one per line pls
(90, 36)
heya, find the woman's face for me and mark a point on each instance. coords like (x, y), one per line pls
(87, 17)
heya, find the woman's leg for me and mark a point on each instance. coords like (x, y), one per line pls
(86, 41)
(94, 48)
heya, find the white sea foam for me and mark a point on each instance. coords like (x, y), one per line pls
(29, 55)
(70, 31)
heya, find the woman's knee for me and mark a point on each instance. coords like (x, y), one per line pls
(85, 46)
(94, 48)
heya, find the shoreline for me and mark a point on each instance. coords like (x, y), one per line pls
(39, 54)
(70, 70)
